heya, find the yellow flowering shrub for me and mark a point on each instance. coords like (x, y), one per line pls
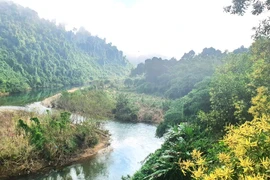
(249, 148)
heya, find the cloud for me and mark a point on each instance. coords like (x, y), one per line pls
(166, 27)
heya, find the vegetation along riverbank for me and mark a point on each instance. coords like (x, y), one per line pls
(31, 142)
(212, 107)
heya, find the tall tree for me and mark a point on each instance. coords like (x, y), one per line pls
(240, 7)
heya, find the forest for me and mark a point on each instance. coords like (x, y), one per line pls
(231, 103)
(211, 108)
(219, 127)
(37, 53)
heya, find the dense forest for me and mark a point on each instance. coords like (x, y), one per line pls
(211, 108)
(38, 53)
(174, 79)
(219, 127)
(187, 81)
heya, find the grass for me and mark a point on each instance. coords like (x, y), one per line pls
(46, 140)
(148, 108)
(99, 104)
(145, 99)
(96, 104)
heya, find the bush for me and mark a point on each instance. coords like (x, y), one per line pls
(247, 152)
(55, 137)
(91, 103)
(124, 111)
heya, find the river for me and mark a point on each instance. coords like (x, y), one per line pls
(35, 95)
(131, 143)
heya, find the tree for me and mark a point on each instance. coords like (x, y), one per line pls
(240, 50)
(124, 111)
(36, 53)
(188, 55)
(139, 70)
(128, 82)
(240, 7)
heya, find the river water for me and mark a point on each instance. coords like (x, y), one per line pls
(131, 143)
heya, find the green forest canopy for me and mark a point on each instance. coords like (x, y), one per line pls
(38, 53)
(175, 79)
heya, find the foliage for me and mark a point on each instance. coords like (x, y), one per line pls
(124, 111)
(237, 96)
(128, 82)
(240, 7)
(257, 7)
(261, 64)
(248, 145)
(229, 94)
(91, 103)
(234, 84)
(35, 131)
(14, 148)
(143, 107)
(179, 143)
(38, 53)
(186, 108)
(55, 136)
(44, 140)
(175, 79)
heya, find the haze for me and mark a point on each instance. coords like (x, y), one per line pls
(143, 28)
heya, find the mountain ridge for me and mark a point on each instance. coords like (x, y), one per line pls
(35, 52)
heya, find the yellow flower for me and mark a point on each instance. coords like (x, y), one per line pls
(198, 173)
(227, 172)
(200, 161)
(186, 164)
(254, 178)
(240, 151)
(246, 163)
(196, 154)
(265, 163)
(223, 157)
(250, 144)
(219, 172)
(224, 173)
(211, 176)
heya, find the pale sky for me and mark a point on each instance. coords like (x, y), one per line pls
(153, 27)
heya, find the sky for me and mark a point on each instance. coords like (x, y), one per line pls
(145, 28)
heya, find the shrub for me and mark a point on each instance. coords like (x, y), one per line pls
(247, 155)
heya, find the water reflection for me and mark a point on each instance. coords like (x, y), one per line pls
(130, 145)
(23, 98)
(87, 170)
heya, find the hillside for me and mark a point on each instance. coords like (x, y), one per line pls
(175, 79)
(219, 124)
(38, 53)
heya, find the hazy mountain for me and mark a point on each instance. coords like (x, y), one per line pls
(38, 53)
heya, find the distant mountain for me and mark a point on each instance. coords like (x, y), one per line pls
(175, 79)
(135, 60)
(38, 53)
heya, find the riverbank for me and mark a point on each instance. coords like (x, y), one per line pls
(19, 155)
(95, 104)
(105, 103)
(40, 167)
(4, 94)
(48, 102)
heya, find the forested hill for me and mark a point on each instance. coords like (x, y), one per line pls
(38, 53)
(175, 79)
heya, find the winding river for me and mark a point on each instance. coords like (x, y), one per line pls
(131, 143)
